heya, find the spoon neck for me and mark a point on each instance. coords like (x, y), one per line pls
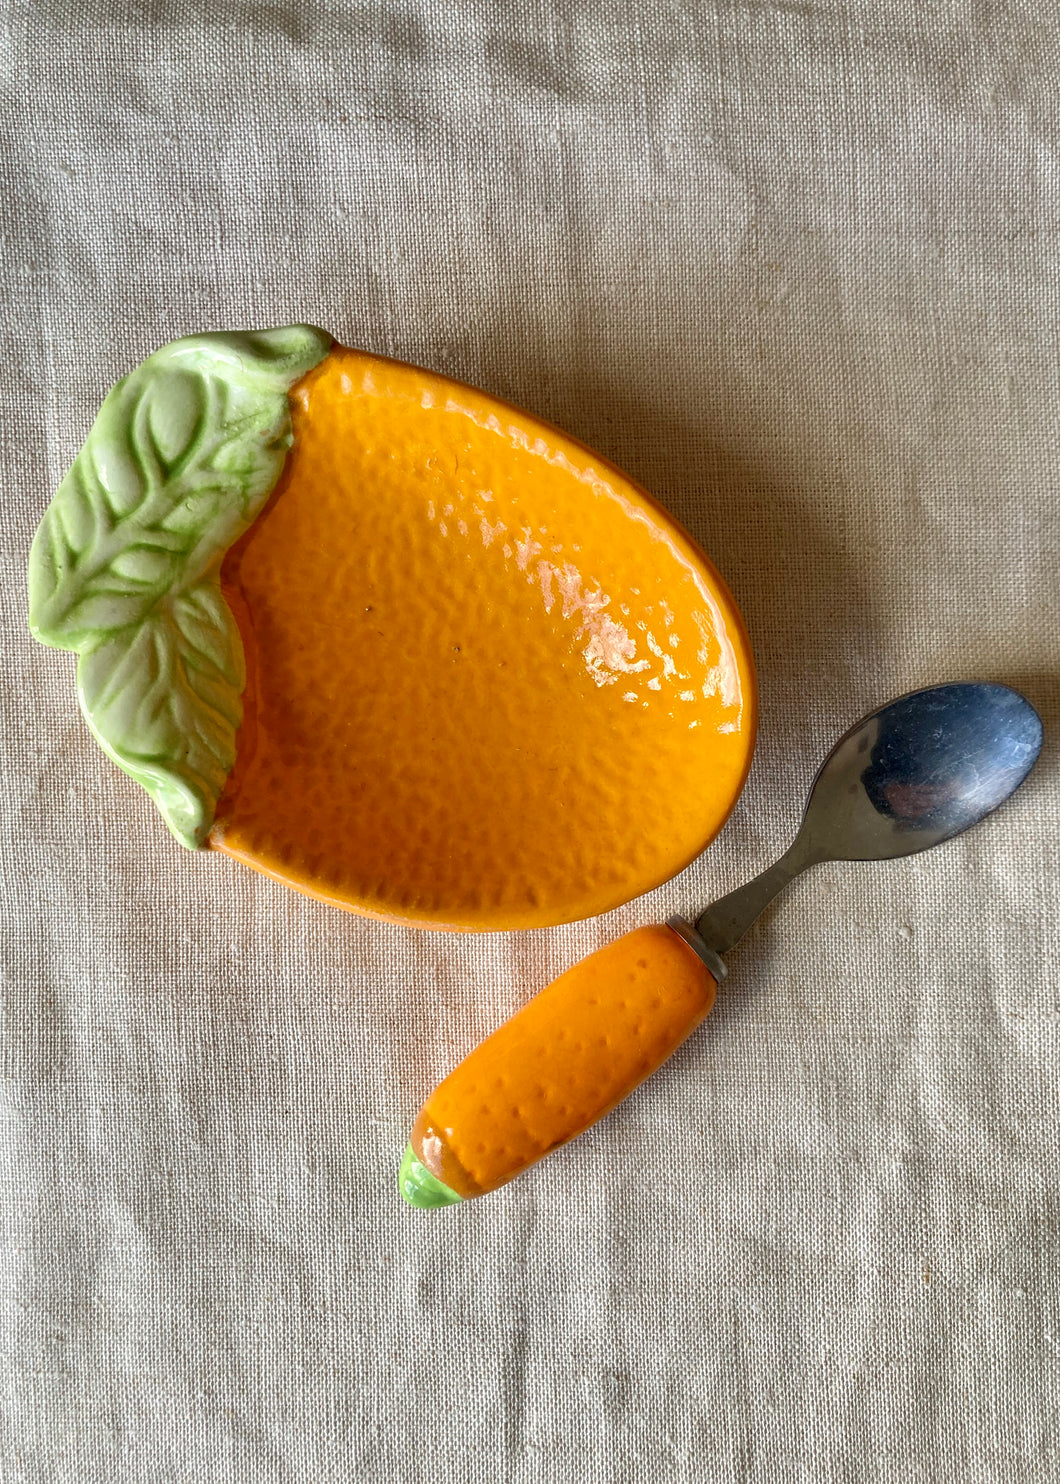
(726, 921)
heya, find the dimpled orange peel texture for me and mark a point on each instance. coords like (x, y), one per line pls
(490, 683)
(573, 1052)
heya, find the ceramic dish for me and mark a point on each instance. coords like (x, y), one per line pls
(391, 641)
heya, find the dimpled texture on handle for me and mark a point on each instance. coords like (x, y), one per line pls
(563, 1061)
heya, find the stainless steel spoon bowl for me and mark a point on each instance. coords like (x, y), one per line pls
(918, 771)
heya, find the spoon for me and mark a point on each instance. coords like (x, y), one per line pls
(918, 771)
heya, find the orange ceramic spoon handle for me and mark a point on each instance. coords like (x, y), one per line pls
(563, 1061)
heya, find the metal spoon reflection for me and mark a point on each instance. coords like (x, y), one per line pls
(922, 769)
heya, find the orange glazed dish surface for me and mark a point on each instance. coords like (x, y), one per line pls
(491, 684)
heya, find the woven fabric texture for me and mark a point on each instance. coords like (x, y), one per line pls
(794, 267)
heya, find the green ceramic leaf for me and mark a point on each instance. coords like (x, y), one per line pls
(420, 1188)
(125, 566)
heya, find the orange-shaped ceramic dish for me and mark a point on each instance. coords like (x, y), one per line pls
(490, 683)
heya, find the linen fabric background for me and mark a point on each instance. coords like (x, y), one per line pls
(795, 267)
